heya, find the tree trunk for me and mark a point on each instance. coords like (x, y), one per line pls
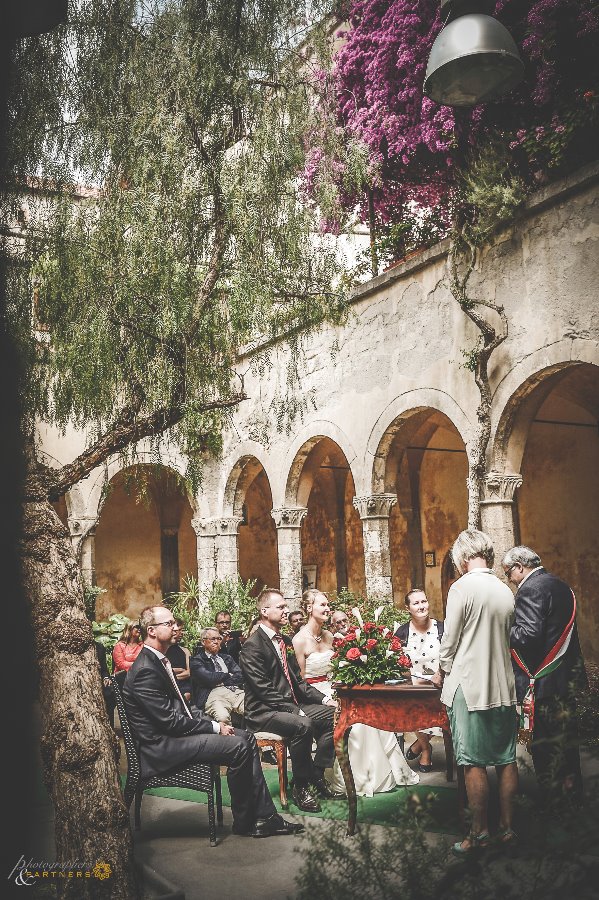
(78, 746)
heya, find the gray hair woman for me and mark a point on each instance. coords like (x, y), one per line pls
(478, 683)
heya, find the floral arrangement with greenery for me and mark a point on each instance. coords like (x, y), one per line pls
(369, 654)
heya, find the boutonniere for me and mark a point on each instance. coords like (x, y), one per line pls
(290, 651)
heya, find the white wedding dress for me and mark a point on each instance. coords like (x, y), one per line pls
(377, 762)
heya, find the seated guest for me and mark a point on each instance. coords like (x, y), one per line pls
(339, 623)
(478, 684)
(232, 640)
(296, 620)
(421, 637)
(126, 650)
(216, 678)
(179, 657)
(171, 736)
(277, 699)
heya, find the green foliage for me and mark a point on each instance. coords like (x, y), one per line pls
(470, 359)
(555, 857)
(198, 609)
(186, 120)
(376, 863)
(109, 632)
(491, 191)
(91, 592)
(416, 230)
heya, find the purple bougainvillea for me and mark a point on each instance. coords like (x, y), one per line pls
(374, 100)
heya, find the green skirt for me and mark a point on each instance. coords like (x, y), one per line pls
(482, 737)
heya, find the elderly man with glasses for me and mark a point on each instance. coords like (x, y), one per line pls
(217, 680)
(172, 736)
(548, 667)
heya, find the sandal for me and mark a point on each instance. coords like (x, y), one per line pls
(411, 755)
(506, 836)
(477, 841)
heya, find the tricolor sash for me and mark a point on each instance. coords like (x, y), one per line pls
(551, 662)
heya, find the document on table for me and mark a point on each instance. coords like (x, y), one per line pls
(415, 674)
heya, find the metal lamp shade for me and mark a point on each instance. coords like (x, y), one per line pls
(473, 60)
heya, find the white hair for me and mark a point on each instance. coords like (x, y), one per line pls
(468, 545)
(523, 555)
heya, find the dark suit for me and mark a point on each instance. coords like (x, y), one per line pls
(233, 645)
(170, 739)
(543, 609)
(204, 676)
(270, 706)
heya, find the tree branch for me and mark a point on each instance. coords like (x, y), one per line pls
(128, 429)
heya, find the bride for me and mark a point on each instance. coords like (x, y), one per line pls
(376, 760)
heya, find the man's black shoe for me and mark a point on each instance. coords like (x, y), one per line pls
(325, 791)
(275, 825)
(305, 799)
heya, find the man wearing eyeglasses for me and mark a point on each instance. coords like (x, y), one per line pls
(217, 680)
(171, 736)
(546, 649)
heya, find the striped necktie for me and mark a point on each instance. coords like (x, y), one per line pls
(167, 665)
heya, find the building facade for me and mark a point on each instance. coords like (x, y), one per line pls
(365, 486)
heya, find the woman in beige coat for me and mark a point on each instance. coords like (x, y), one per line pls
(478, 683)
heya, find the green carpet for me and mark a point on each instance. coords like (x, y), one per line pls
(382, 809)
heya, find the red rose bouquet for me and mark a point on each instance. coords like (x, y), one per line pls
(369, 654)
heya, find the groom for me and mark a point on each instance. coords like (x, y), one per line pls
(277, 699)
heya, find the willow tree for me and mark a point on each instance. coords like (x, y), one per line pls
(183, 121)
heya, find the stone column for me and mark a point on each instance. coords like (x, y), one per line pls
(83, 539)
(218, 553)
(206, 553)
(374, 512)
(497, 512)
(288, 521)
(227, 547)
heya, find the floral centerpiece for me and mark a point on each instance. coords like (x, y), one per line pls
(369, 654)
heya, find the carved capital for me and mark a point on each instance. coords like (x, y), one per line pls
(500, 488)
(377, 506)
(217, 525)
(289, 516)
(82, 526)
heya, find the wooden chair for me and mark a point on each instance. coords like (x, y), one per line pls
(268, 740)
(200, 777)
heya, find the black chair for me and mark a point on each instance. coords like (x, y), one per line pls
(200, 777)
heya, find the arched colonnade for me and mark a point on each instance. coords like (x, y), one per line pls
(376, 519)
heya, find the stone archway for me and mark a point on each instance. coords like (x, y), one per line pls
(144, 541)
(421, 462)
(248, 499)
(549, 434)
(325, 532)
